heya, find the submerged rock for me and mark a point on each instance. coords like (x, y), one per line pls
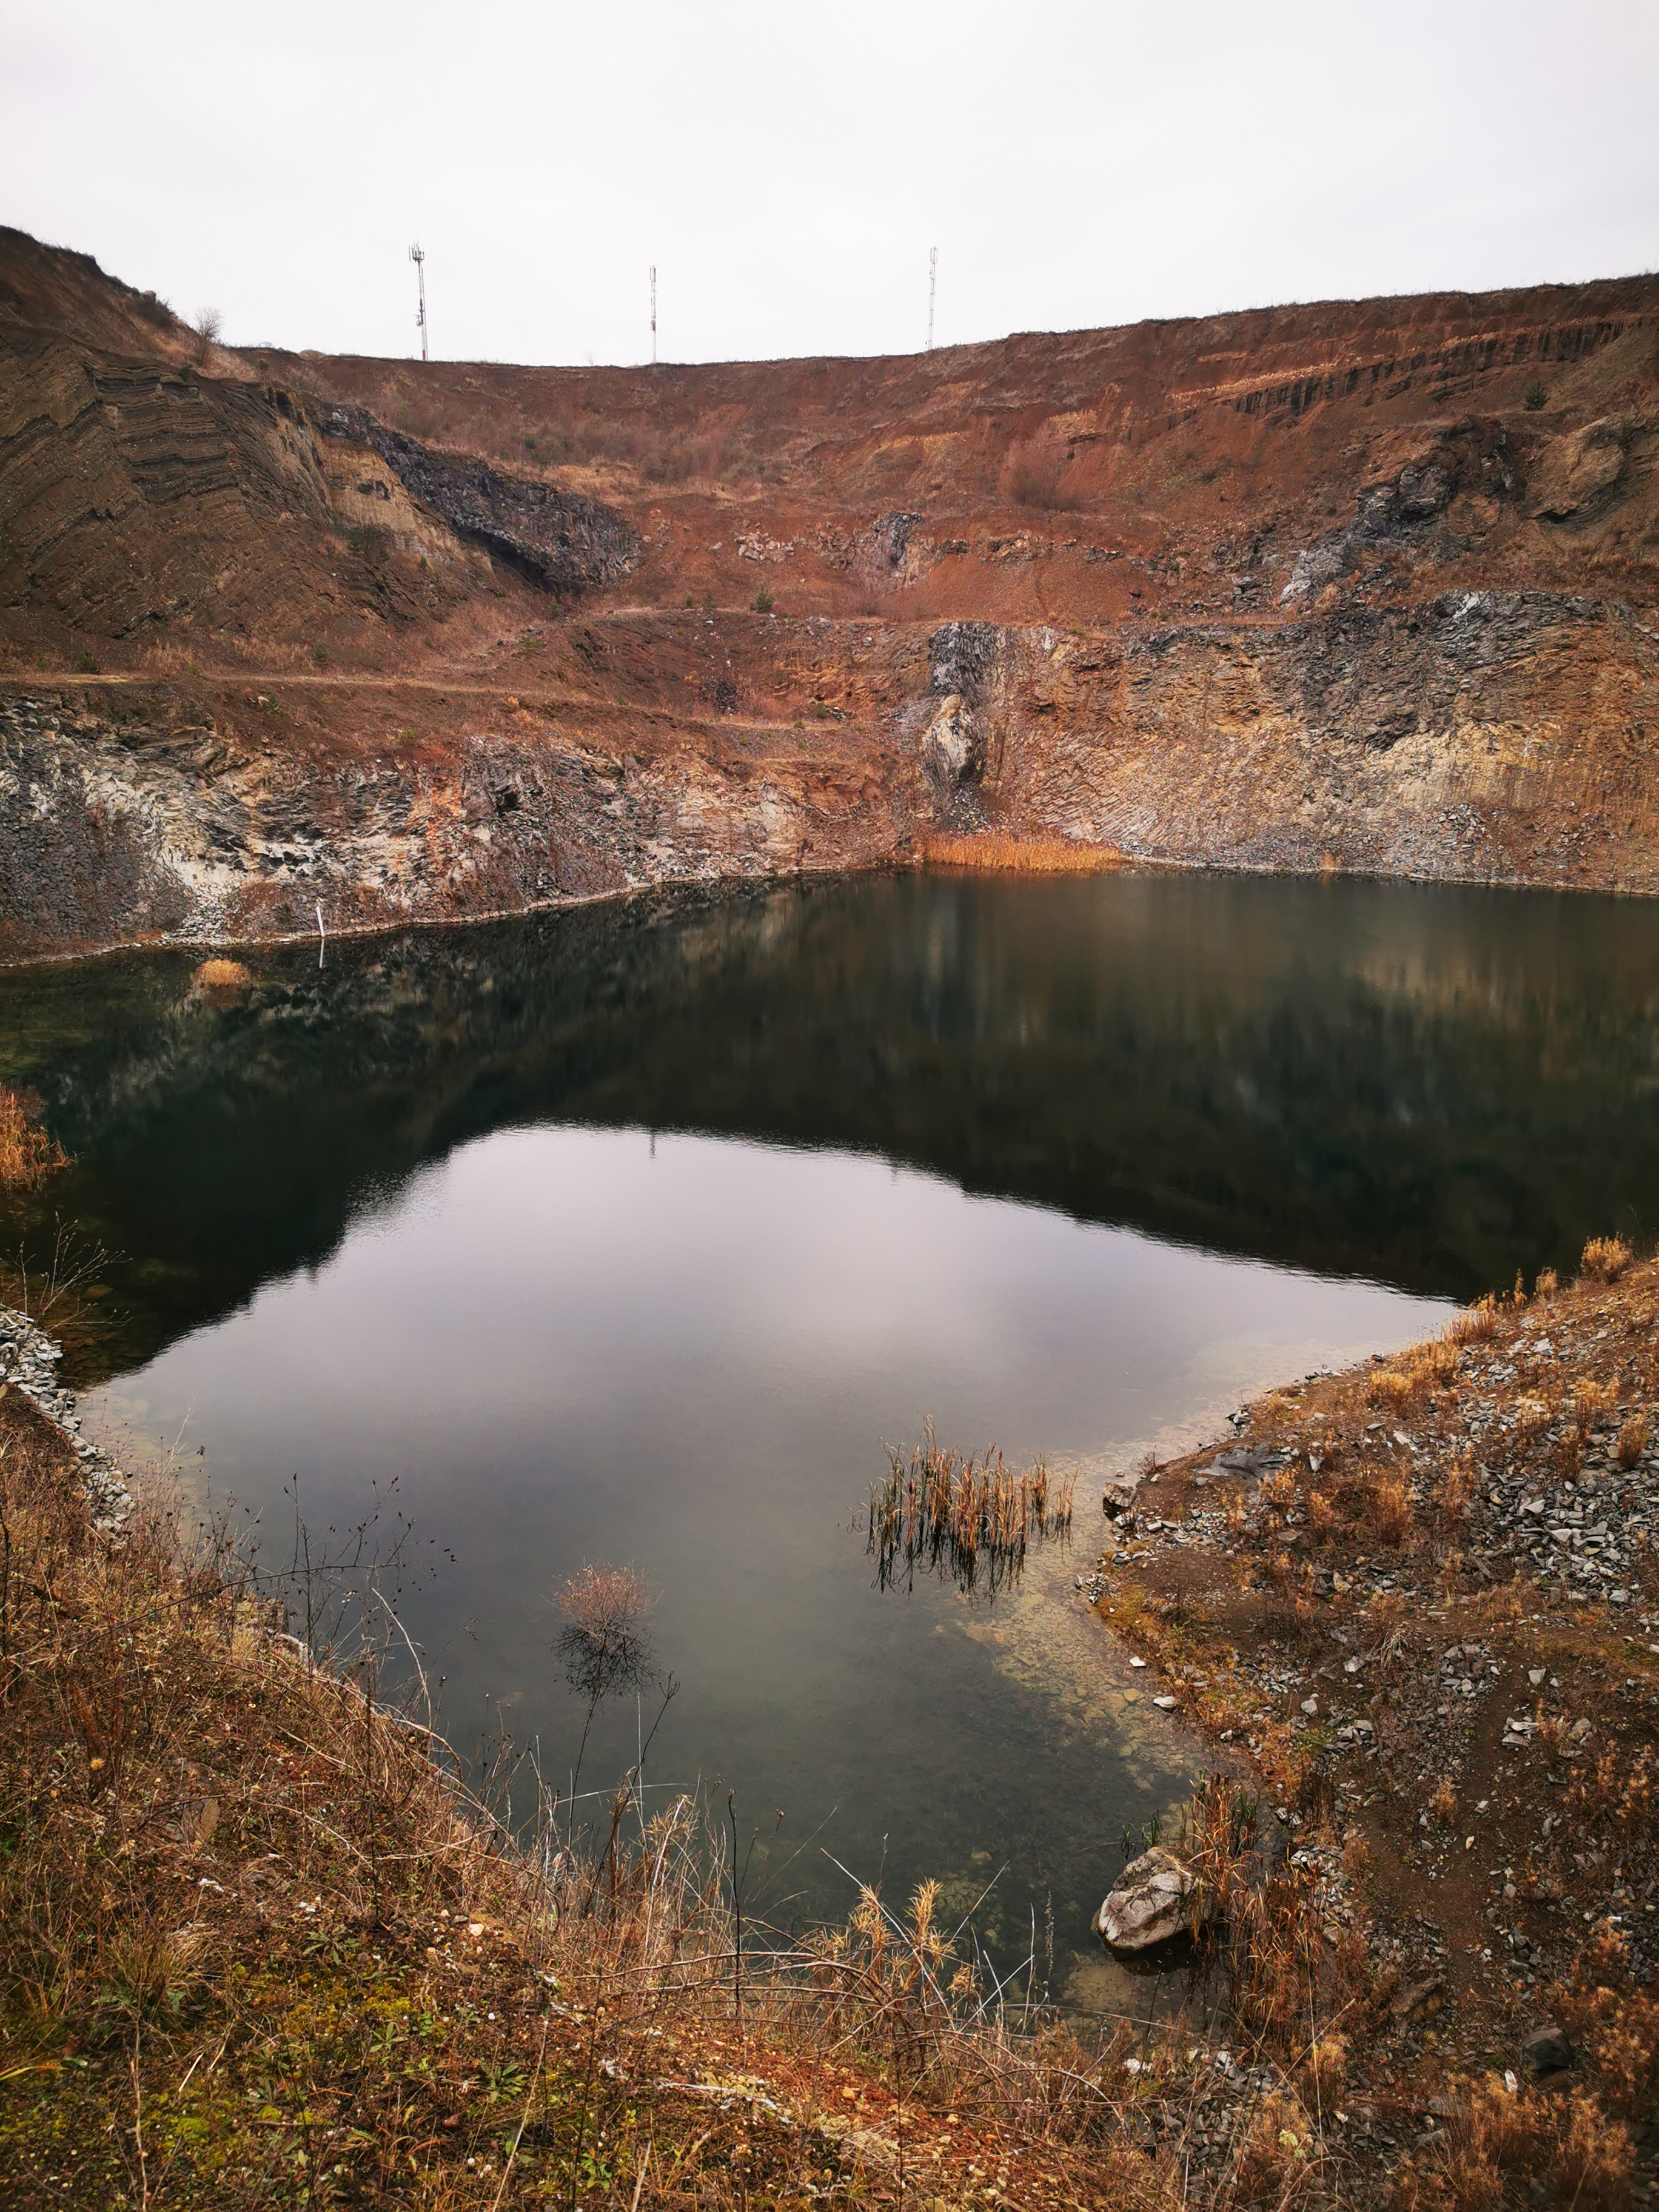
(1156, 1898)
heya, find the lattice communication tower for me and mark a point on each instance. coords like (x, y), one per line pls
(419, 259)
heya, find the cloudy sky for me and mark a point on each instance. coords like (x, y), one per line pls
(788, 167)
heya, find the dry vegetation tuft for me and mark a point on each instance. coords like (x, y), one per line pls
(996, 853)
(1606, 1258)
(28, 1153)
(220, 975)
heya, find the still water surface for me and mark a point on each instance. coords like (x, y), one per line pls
(635, 1235)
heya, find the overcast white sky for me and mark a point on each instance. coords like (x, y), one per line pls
(787, 166)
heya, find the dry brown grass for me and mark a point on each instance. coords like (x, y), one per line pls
(1498, 2146)
(972, 1522)
(1392, 1389)
(254, 1934)
(222, 976)
(1414, 1374)
(995, 853)
(1278, 1490)
(1474, 1324)
(1632, 1441)
(1533, 1415)
(28, 1153)
(1390, 1507)
(1605, 1259)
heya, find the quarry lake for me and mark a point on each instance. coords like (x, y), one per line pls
(635, 1233)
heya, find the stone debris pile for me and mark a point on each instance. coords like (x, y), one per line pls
(29, 1363)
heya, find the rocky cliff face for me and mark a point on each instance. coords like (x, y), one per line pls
(1365, 586)
(151, 826)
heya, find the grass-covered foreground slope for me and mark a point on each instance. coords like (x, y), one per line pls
(258, 1947)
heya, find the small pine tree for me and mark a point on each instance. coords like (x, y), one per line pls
(763, 601)
(1536, 396)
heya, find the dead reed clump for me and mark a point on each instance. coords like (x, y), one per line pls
(1474, 1324)
(1391, 1389)
(1390, 1508)
(1532, 1417)
(1566, 2152)
(1547, 1284)
(971, 1521)
(1456, 1492)
(1218, 1841)
(222, 976)
(1552, 1733)
(1444, 1804)
(1324, 2070)
(998, 853)
(1632, 1441)
(1614, 2024)
(603, 1646)
(1592, 1404)
(1278, 1490)
(1322, 1512)
(28, 1153)
(1621, 1790)
(1276, 2162)
(1605, 1259)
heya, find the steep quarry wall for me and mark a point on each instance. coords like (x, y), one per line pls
(160, 825)
(1444, 741)
(1365, 585)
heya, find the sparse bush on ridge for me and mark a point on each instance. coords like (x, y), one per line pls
(1605, 1259)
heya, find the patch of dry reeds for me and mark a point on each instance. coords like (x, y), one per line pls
(1499, 2145)
(996, 853)
(28, 1154)
(1390, 1507)
(1413, 1374)
(1474, 1324)
(970, 1521)
(219, 975)
(1605, 1259)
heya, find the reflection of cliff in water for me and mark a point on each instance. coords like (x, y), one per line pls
(1429, 1085)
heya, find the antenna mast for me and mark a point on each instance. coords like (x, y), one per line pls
(653, 314)
(933, 285)
(419, 259)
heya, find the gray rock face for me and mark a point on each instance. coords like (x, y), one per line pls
(556, 538)
(1155, 1899)
(949, 750)
(29, 1357)
(961, 655)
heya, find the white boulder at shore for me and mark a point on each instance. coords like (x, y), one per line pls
(1151, 1901)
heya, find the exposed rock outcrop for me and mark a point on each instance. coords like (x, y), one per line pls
(554, 537)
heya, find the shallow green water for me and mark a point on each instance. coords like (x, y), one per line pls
(633, 1234)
